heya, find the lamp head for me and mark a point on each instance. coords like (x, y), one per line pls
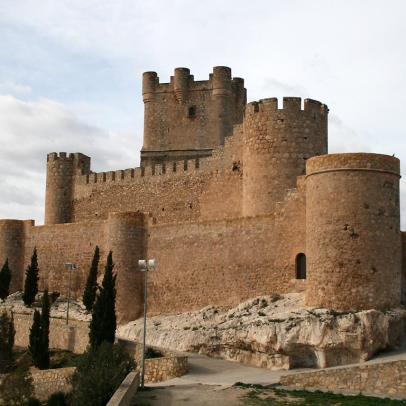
(142, 265)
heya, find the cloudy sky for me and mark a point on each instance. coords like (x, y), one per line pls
(70, 74)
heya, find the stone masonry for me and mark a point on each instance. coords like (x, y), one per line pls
(233, 200)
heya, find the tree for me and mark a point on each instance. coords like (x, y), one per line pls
(7, 333)
(31, 280)
(89, 295)
(5, 279)
(104, 323)
(44, 352)
(99, 373)
(39, 335)
(34, 347)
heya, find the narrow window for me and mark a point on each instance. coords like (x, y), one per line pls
(191, 112)
(301, 266)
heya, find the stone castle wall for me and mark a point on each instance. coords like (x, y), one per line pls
(225, 262)
(48, 381)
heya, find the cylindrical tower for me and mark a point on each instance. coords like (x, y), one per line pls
(353, 241)
(149, 83)
(181, 84)
(61, 170)
(126, 238)
(12, 248)
(223, 108)
(277, 143)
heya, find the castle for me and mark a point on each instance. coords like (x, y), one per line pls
(234, 200)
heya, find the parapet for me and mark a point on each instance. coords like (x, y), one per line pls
(353, 162)
(220, 82)
(290, 104)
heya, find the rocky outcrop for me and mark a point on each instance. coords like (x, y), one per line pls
(277, 332)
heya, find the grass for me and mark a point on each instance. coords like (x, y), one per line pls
(269, 395)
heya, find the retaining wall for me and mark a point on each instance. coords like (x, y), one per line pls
(46, 382)
(382, 379)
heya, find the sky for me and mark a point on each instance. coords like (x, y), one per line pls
(70, 74)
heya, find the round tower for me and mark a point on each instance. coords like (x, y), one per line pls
(126, 238)
(149, 82)
(223, 108)
(353, 241)
(61, 170)
(276, 145)
(12, 248)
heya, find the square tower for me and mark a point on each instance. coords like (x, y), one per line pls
(186, 119)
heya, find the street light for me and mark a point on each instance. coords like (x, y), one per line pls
(69, 267)
(145, 266)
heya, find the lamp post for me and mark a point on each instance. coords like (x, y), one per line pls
(69, 267)
(145, 266)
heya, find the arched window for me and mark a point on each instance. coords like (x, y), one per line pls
(301, 266)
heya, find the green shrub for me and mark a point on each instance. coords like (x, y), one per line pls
(99, 373)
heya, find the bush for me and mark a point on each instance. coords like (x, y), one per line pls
(152, 353)
(99, 373)
(16, 389)
(57, 399)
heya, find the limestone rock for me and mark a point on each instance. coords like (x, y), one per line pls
(276, 332)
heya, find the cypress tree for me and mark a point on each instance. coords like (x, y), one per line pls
(31, 280)
(89, 295)
(5, 279)
(44, 352)
(103, 324)
(34, 347)
(6, 339)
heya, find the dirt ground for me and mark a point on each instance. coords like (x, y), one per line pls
(185, 395)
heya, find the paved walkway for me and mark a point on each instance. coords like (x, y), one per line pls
(211, 371)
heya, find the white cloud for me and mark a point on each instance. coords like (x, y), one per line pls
(29, 130)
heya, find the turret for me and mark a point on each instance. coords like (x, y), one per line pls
(276, 145)
(12, 234)
(126, 238)
(353, 240)
(61, 172)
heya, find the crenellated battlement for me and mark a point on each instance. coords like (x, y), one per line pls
(173, 168)
(289, 104)
(220, 81)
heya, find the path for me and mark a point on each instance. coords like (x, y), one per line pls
(209, 382)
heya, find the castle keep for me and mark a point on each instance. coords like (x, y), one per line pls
(234, 200)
